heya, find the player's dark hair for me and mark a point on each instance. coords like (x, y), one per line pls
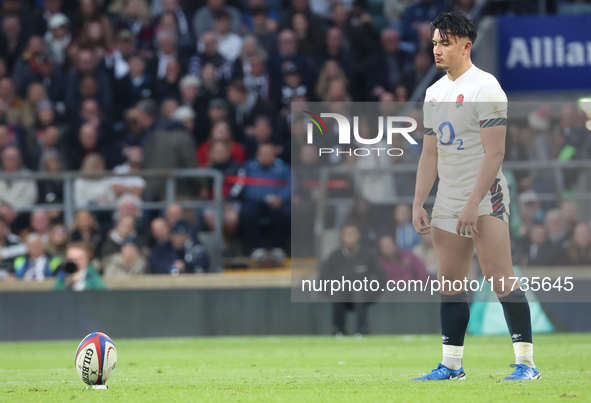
(455, 24)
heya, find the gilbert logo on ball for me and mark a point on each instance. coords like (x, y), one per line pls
(96, 358)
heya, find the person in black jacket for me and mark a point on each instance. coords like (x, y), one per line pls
(352, 262)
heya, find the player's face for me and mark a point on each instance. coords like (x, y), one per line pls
(448, 52)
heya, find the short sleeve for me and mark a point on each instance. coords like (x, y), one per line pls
(491, 106)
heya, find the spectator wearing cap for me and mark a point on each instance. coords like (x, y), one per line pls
(57, 38)
(221, 133)
(229, 43)
(266, 194)
(37, 264)
(292, 86)
(191, 256)
(42, 16)
(129, 261)
(20, 192)
(245, 107)
(204, 19)
(530, 211)
(186, 116)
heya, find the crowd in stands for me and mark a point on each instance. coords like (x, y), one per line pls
(99, 86)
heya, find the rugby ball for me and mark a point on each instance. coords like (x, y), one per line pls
(96, 358)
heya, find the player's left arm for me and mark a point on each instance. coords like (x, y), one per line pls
(492, 116)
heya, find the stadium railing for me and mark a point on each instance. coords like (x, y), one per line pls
(68, 206)
(556, 169)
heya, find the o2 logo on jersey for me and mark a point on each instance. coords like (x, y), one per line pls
(451, 135)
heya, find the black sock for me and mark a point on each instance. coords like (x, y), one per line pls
(455, 315)
(517, 315)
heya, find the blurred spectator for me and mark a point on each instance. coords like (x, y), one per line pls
(173, 214)
(352, 262)
(35, 94)
(191, 256)
(58, 239)
(123, 230)
(163, 253)
(302, 7)
(11, 246)
(37, 264)
(262, 29)
(9, 216)
(292, 86)
(45, 149)
(556, 228)
(262, 133)
(570, 214)
(141, 122)
(15, 103)
(185, 115)
(131, 205)
(40, 224)
(87, 66)
(168, 86)
(57, 39)
(330, 71)
(287, 51)
(90, 11)
(134, 16)
(137, 81)
(530, 211)
(418, 17)
(267, 194)
(229, 43)
(43, 16)
(335, 48)
(86, 229)
(17, 192)
(425, 251)
(406, 237)
(134, 185)
(171, 9)
(256, 78)
(222, 133)
(221, 160)
(169, 147)
(189, 90)
(541, 252)
(358, 28)
(245, 107)
(421, 63)
(386, 68)
(361, 213)
(217, 111)
(167, 109)
(91, 190)
(88, 143)
(204, 19)
(12, 40)
(129, 261)
(578, 252)
(208, 54)
(304, 198)
(309, 40)
(78, 274)
(400, 264)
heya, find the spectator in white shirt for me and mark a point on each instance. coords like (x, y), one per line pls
(16, 192)
(229, 43)
(134, 185)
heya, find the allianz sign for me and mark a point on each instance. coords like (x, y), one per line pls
(547, 51)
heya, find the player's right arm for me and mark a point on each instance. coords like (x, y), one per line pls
(426, 175)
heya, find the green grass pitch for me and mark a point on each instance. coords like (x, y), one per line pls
(297, 369)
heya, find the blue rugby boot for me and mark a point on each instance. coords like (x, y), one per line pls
(442, 373)
(523, 373)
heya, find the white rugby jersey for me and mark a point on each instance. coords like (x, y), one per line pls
(454, 111)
